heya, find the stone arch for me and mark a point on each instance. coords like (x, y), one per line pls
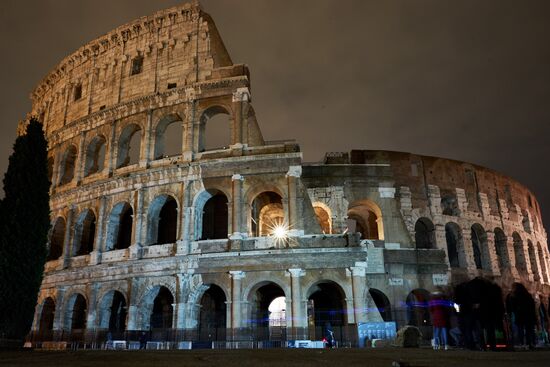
(75, 312)
(501, 247)
(328, 309)
(129, 146)
(68, 165)
(424, 234)
(266, 213)
(480, 247)
(168, 136)
(156, 308)
(95, 155)
(519, 254)
(324, 216)
(84, 233)
(543, 264)
(382, 304)
(368, 219)
(533, 260)
(119, 227)
(208, 140)
(212, 318)
(211, 214)
(259, 298)
(112, 310)
(162, 220)
(57, 238)
(47, 316)
(455, 245)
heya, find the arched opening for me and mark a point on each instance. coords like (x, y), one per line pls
(84, 233)
(68, 165)
(264, 326)
(129, 146)
(117, 315)
(163, 311)
(424, 234)
(215, 129)
(57, 238)
(501, 247)
(382, 304)
(95, 156)
(519, 254)
(213, 314)
(366, 217)
(163, 220)
(267, 214)
(453, 236)
(215, 217)
(480, 247)
(119, 234)
(418, 312)
(78, 317)
(168, 137)
(326, 311)
(46, 319)
(323, 218)
(542, 261)
(533, 260)
(449, 205)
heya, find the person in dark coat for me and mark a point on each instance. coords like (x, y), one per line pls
(439, 312)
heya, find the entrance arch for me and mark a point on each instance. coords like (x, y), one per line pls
(326, 310)
(162, 312)
(162, 220)
(418, 312)
(382, 304)
(113, 311)
(260, 300)
(266, 214)
(213, 315)
(47, 315)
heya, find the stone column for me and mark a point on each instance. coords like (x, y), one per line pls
(111, 154)
(441, 241)
(187, 212)
(491, 253)
(513, 267)
(67, 240)
(241, 98)
(92, 308)
(133, 310)
(81, 158)
(95, 255)
(138, 226)
(358, 286)
(188, 140)
(58, 314)
(236, 302)
(466, 253)
(147, 151)
(294, 215)
(237, 210)
(298, 306)
(55, 171)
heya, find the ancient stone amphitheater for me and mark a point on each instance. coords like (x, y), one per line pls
(155, 230)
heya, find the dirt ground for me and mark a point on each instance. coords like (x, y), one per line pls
(275, 357)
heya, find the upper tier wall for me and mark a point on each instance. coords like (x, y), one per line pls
(177, 46)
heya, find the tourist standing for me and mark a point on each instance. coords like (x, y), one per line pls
(439, 312)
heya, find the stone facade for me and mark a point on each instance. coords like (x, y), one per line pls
(183, 244)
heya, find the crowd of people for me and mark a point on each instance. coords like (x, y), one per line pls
(478, 318)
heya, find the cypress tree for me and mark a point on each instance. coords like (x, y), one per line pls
(24, 225)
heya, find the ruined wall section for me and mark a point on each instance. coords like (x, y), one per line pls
(171, 48)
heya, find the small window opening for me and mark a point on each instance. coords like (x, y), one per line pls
(172, 85)
(137, 65)
(78, 92)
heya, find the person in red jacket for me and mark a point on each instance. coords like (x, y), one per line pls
(439, 312)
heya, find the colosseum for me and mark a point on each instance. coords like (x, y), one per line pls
(157, 230)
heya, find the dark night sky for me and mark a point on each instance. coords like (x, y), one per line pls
(468, 80)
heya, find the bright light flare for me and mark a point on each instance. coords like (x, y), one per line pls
(280, 232)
